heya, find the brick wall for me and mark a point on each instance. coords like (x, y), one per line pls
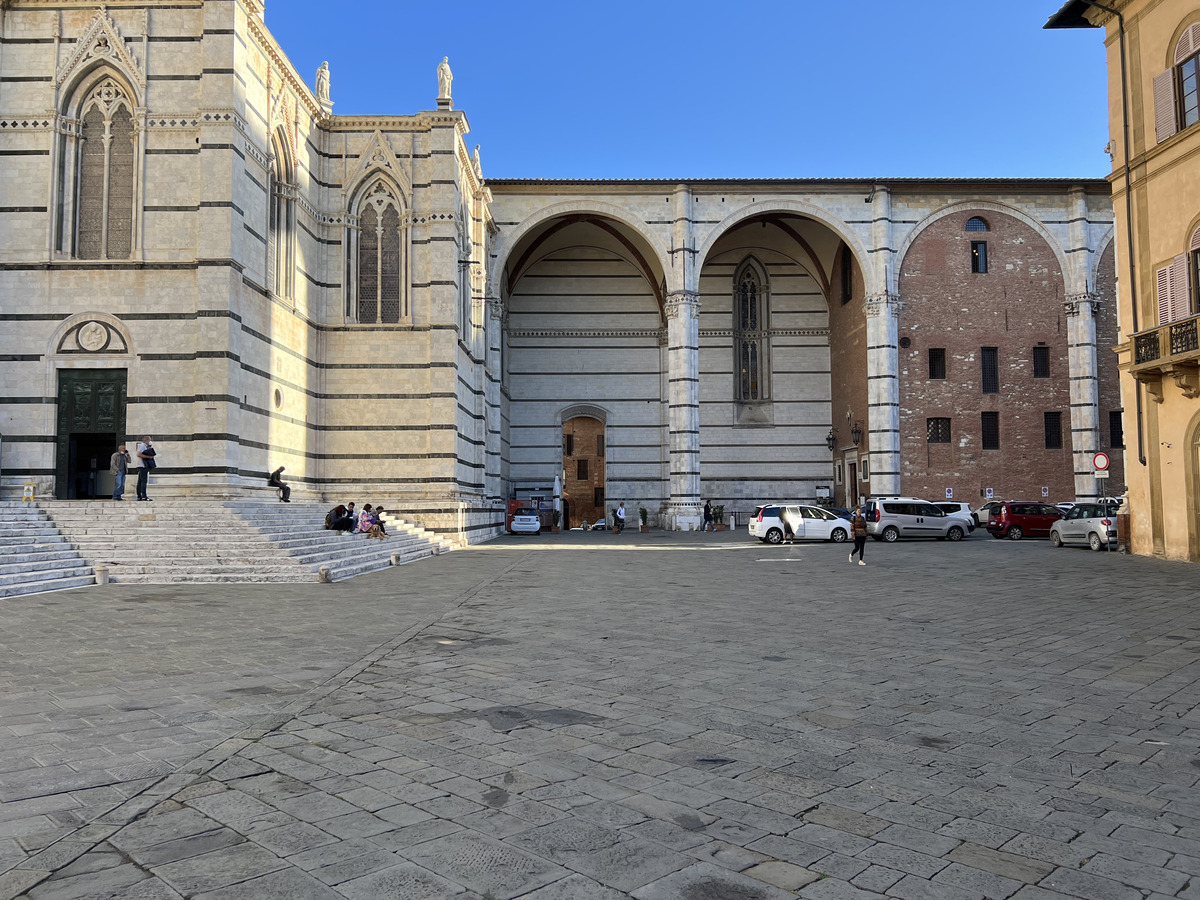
(848, 366)
(1014, 306)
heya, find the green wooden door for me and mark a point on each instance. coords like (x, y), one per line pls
(91, 421)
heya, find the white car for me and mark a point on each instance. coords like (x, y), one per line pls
(525, 521)
(807, 522)
(1094, 524)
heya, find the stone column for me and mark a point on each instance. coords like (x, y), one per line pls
(496, 320)
(883, 394)
(1085, 391)
(683, 392)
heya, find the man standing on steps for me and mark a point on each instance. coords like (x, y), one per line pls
(118, 467)
(145, 461)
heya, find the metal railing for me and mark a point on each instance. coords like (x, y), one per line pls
(1145, 347)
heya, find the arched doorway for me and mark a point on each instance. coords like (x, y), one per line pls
(583, 466)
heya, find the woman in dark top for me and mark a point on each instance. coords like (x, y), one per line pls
(338, 519)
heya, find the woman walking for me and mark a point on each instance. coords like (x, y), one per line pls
(858, 527)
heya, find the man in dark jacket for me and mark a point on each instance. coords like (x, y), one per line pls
(276, 481)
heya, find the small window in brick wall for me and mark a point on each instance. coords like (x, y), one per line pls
(598, 497)
(937, 431)
(937, 362)
(990, 425)
(1041, 362)
(989, 360)
(977, 223)
(979, 257)
(1116, 429)
(568, 445)
(600, 446)
(1053, 430)
(581, 469)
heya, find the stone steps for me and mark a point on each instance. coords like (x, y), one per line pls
(35, 556)
(173, 541)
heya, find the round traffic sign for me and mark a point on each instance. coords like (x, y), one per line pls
(1100, 461)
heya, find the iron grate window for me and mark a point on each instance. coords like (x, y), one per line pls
(1116, 429)
(937, 362)
(1053, 422)
(1041, 362)
(990, 425)
(989, 358)
(581, 469)
(979, 262)
(977, 223)
(937, 431)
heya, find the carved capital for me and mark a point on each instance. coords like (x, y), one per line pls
(496, 309)
(682, 302)
(883, 303)
(1076, 303)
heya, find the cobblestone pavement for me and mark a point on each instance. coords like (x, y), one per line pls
(592, 716)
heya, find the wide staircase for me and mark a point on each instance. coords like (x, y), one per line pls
(169, 541)
(34, 556)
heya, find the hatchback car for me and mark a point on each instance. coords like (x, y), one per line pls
(962, 510)
(981, 514)
(891, 518)
(807, 522)
(525, 521)
(1015, 519)
(1094, 524)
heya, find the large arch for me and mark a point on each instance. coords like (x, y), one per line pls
(794, 207)
(509, 242)
(1102, 246)
(969, 205)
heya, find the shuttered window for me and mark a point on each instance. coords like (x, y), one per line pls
(1053, 428)
(989, 358)
(990, 427)
(1174, 291)
(1177, 90)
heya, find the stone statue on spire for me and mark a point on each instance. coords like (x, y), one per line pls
(445, 77)
(323, 88)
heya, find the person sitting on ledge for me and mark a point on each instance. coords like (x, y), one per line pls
(338, 520)
(276, 481)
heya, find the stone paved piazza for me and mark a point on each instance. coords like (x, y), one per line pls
(671, 716)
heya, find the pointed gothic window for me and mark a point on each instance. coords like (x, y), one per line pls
(379, 259)
(281, 222)
(750, 332)
(103, 197)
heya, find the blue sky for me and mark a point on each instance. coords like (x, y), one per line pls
(798, 89)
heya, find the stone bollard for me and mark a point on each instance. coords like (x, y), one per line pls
(324, 576)
(395, 559)
(101, 574)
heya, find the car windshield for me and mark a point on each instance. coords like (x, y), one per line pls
(525, 512)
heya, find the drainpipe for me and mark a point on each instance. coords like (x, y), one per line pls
(1137, 386)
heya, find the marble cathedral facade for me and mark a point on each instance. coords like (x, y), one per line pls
(194, 246)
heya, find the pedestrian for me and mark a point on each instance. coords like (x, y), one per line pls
(858, 527)
(708, 516)
(118, 466)
(620, 518)
(789, 526)
(353, 514)
(276, 481)
(146, 461)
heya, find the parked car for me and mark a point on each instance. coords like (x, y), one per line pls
(891, 518)
(961, 510)
(600, 525)
(808, 523)
(525, 521)
(1094, 524)
(982, 512)
(1015, 519)
(1066, 506)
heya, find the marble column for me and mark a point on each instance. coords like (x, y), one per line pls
(883, 394)
(1085, 391)
(683, 392)
(495, 322)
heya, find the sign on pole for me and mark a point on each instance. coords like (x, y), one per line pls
(949, 493)
(1045, 491)
(1100, 473)
(989, 493)
(1100, 461)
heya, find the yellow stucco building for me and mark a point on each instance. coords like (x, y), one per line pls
(1154, 109)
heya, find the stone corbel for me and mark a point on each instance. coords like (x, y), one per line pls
(1186, 377)
(886, 302)
(1152, 382)
(1075, 303)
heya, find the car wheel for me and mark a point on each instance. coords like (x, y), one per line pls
(1055, 539)
(1015, 533)
(955, 533)
(774, 536)
(1095, 542)
(838, 536)
(891, 534)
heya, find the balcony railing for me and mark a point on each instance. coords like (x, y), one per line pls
(1167, 345)
(1145, 347)
(1183, 336)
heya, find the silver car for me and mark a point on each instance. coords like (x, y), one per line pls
(1094, 524)
(891, 518)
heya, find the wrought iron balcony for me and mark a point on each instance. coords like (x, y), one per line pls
(1169, 350)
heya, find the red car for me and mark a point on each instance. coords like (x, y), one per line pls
(1015, 519)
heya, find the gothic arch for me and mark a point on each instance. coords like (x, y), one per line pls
(1101, 248)
(796, 207)
(377, 161)
(508, 242)
(589, 410)
(377, 253)
(119, 340)
(971, 205)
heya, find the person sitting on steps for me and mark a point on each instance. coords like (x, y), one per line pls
(338, 520)
(276, 481)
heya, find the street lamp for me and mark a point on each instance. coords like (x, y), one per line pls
(831, 440)
(856, 433)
